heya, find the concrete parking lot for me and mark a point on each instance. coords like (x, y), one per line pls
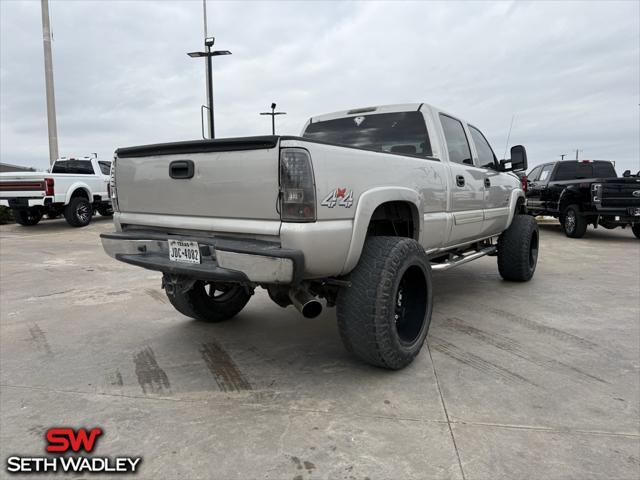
(534, 380)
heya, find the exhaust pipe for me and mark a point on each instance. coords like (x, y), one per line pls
(306, 303)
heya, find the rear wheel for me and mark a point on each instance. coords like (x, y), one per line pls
(384, 315)
(27, 217)
(635, 228)
(518, 249)
(105, 210)
(78, 212)
(575, 224)
(210, 302)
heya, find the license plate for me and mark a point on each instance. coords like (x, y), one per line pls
(184, 251)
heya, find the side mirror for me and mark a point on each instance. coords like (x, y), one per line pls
(517, 162)
(627, 173)
(518, 158)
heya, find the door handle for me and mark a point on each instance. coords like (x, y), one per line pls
(181, 169)
(460, 180)
(487, 182)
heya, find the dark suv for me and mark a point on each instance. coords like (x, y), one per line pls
(584, 192)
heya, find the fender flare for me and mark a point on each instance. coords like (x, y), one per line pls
(567, 193)
(367, 203)
(78, 186)
(516, 195)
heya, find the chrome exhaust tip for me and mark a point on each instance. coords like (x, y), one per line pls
(305, 303)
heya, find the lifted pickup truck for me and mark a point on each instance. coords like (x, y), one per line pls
(358, 210)
(74, 187)
(584, 192)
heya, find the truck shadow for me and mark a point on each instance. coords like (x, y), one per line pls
(56, 225)
(599, 234)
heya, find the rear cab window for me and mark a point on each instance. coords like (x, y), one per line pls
(456, 138)
(398, 132)
(576, 170)
(78, 167)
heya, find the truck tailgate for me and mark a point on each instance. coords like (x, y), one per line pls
(235, 178)
(620, 192)
(28, 184)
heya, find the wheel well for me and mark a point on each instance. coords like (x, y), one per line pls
(567, 200)
(80, 192)
(395, 219)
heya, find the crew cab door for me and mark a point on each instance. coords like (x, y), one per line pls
(497, 186)
(104, 170)
(537, 188)
(466, 182)
(533, 189)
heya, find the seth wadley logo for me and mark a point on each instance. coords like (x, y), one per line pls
(66, 440)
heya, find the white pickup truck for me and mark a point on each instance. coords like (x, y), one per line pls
(73, 187)
(358, 211)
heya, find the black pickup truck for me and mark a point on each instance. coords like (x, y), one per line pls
(584, 192)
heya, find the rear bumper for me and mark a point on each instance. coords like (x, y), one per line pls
(25, 202)
(620, 214)
(222, 259)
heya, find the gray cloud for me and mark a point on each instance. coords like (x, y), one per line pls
(569, 71)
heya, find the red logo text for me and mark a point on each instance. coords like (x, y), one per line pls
(64, 439)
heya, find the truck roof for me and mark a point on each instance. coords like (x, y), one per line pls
(399, 107)
(553, 162)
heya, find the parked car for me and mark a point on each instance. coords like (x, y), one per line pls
(73, 187)
(358, 210)
(584, 192)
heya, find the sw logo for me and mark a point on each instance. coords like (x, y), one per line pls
(61, 440)
(340, 196)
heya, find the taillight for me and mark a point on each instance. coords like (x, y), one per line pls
(297, 186)
(524, 183)
(113, 192)
(48, 187)
(596, 192)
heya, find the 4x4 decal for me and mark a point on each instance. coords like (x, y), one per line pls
(340, 196)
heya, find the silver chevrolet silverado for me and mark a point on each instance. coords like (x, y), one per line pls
(358, 211)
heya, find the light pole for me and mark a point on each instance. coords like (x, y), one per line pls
(206, 71)
(208, 43)
(273, 114)
(48, 77)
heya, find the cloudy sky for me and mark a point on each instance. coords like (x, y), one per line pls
(568, 71)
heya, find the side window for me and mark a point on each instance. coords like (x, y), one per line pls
(546, 173)
(105, 167)
(535, 174)
(486, 157)
(457, 143)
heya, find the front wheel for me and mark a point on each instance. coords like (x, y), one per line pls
(210, 302)
(78, 212)
(384, 316)
(575, 224)
(518, 249)
(28, 217)
(635, 228)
